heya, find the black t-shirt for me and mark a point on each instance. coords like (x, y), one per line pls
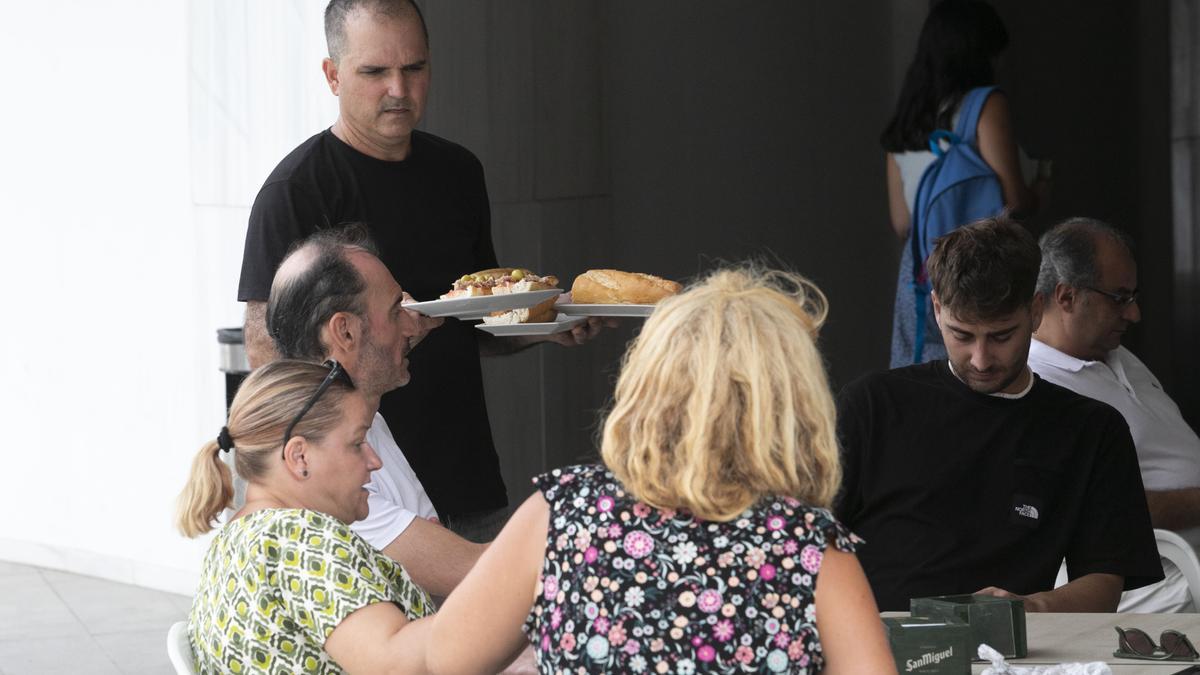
(954, 490)
(430, 217)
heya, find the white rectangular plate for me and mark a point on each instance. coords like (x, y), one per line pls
(572, 309)
(482, 305)
(563, 323)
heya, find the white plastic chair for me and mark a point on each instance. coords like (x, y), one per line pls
(179, 650)
(1174, 548)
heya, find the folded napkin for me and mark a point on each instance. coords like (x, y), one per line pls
(999, 667)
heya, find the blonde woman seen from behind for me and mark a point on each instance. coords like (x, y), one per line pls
(285, 585)
(704, 542)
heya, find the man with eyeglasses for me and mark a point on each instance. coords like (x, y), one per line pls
(332, 298)
(1089, 279)
(971, 474)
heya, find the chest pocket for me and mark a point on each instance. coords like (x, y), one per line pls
(444, 240)
(1035, 487)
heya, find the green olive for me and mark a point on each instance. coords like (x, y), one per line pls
(465, 278)
(517, 275)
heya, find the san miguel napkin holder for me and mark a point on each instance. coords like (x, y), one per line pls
(996, 622)
(925, 646)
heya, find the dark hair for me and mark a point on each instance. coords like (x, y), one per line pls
(301, 304)
(954, 55)
(337, 11)
(985, 270)
(1069, 253)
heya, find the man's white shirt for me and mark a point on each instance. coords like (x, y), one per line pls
(1168, 449)
(395, 494)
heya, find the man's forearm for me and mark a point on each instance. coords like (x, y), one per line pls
(435, 558)
(260, 348)
(1088, 593)
(1174, 509)
(490, 345)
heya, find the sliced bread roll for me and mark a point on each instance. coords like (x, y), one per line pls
(543, 312)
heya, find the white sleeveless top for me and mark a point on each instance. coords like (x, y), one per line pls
(913, 163)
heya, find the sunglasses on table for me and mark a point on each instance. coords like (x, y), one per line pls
(336, 372)
(1133, 643)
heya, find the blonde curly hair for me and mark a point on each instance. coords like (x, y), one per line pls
(723, 399)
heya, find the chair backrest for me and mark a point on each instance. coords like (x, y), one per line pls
(1174, 548)
(179, 650)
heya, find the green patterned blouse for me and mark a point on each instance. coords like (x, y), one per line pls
(274, 585)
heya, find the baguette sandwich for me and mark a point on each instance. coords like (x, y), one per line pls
(614, 287)
(498, 281)
(504, 280)
(542, 312)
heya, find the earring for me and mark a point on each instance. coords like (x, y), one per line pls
(304, 473)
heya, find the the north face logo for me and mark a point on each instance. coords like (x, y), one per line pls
(1027, 511)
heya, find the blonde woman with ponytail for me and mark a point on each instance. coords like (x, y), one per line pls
(704, 543)
(286, 587)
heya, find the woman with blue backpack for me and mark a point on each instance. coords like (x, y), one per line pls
(951, 157)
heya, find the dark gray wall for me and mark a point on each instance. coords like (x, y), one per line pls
(1184, 21)
(1091, 89)
(749, 129)
(665, 137)
(639, 136)
(520, 84)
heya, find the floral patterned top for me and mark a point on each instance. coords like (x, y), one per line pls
(274, 585)
(632, 589)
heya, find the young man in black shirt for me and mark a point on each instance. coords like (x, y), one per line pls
(974, 475)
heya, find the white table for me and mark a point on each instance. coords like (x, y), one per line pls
(1061, 638)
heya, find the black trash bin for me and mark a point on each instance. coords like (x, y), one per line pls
(233, 361)
(236, 367)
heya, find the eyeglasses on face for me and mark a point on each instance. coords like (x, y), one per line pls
(1121, 299)
(1133, 643)
(336, 372)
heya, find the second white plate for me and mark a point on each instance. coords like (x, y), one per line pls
(480, 306)
(572, 309)
(562, 324)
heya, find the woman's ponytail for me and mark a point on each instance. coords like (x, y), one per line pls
(208, 491)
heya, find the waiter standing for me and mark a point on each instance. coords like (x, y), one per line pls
(425, 202)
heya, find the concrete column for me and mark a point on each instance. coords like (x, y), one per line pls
(1185, 191)
(519, 83)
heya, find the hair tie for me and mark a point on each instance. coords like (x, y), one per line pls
(224, 440)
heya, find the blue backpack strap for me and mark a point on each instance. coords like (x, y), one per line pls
(936, 138)
(969, 111)
(920, 289)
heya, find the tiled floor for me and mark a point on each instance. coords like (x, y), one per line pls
(54, 622)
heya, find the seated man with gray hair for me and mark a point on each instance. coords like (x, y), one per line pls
(1089, 279)
(332, 298)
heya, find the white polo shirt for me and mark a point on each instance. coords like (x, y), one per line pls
(1168, 449)
(395, 494)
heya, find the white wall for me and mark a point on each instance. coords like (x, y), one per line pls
(136, 134)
